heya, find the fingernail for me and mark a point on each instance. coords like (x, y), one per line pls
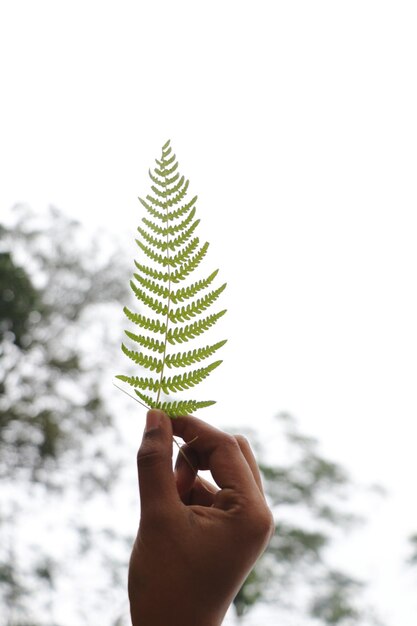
(153, 420)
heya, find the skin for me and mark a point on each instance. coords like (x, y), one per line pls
(196, 543)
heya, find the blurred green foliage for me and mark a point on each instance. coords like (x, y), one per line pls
(57, 286)
(49, 284)
(309, 496)
(413, 543)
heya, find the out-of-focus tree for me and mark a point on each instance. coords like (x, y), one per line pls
(52, 286)
(308, 495)
(57, 289)
(413, 544)
(60, 295)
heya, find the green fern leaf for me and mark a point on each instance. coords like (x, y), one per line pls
(174, 408)
(169, 230)
(142, 383)
(168, 240)
(179, 274)
(183, 359)
(146, 342)
(191, 264)
(181, 334)
(195, 308)
(171, 201)
(144, 360)
(179, 382)
(152, 286)
(189, 292)
(166, 171)
(171, 190)
(174, 215)
(152, 303)
(155, 326)
(153, 273)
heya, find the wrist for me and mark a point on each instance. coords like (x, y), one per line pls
(174, 616)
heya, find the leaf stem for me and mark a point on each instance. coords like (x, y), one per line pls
(169, 298)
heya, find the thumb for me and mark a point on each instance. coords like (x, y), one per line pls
(156, 480)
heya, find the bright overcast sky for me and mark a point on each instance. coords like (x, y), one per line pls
(296, 124)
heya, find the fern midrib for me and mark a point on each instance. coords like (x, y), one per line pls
(168, 303)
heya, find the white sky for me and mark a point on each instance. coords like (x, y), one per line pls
(296, 124)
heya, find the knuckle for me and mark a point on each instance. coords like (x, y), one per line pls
(149, 454)
(242, 441)
(269, 524)
(230, 441)
(263, 523)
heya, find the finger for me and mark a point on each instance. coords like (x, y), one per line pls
(156, 481)
(203, 492)
(192, 488)
(217, 451)
(186, 467)
(250, 459)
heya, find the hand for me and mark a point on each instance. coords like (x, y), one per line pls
(196, 544)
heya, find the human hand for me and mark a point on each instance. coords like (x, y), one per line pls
(196, 544)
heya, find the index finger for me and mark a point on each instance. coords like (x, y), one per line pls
(217, 451)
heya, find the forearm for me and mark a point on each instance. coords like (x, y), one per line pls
(155, 601)
(160, 607)
(162, 614)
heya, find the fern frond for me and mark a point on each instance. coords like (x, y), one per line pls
(167, 238)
